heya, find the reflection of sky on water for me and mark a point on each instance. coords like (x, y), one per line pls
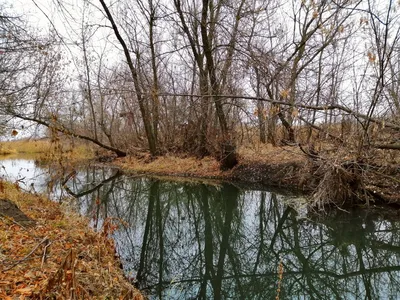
(165, 228)
(29, 176)
(24, 172)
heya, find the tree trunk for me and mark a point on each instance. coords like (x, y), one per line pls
(260, 110)
(228, 148)
(150, 131)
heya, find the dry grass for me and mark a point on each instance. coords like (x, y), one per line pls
(172, 165)
(74, 262)
(46, 149)
(266, 153)
(6, 150)
(27, 146)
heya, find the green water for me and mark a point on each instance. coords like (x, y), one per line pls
(182, 240)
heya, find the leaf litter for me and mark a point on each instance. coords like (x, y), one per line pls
(58, 256)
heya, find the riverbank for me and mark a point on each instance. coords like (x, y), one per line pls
(329, 175)
(163, 260)
(49, 251)
(332, 177)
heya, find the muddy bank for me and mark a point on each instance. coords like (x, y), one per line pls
(339, 183)
(290, 175)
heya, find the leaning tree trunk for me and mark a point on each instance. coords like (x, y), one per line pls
(146, 117)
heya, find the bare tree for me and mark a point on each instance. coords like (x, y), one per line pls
(140, 95)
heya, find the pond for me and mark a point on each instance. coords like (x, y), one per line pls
(186, 240)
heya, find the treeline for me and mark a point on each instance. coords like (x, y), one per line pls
(206, 76)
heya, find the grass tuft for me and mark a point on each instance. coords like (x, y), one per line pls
(340, 183)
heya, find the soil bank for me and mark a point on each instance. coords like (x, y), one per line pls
(326, 181)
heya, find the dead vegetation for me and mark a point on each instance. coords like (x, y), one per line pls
(172, 165)
(54, 260)
(332, 174)
(46, 149)
(339, 185)
(329, 164)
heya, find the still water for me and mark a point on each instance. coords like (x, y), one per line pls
(180, 240)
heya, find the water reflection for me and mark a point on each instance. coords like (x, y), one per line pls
(196, 241)
(29, 175)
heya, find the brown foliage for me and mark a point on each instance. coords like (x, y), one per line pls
(54, 259)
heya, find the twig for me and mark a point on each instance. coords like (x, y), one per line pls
(45, 252)
(280, 278)
(313, 156)
(384, 175)
(320, 129)
(393, 146)
(46, 239)
(57, 277)
(82, 289)
(68, 177)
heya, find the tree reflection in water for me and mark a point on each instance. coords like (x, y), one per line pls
(196, 241)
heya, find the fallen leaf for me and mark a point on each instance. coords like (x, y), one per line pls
(30, 275)
(4, 296)
(24, 291)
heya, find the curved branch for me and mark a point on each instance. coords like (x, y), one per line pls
(61, 128)
(95, 188)
(395, 146)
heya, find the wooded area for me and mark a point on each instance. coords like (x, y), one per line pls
(206, 77)
(309, 88)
